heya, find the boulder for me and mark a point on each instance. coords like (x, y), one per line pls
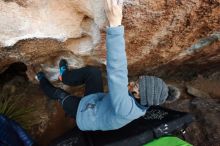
(163, 37)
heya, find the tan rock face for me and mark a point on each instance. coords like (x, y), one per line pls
(160, 35)
(162, 31)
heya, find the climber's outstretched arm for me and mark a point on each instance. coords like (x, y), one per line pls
(117, 72)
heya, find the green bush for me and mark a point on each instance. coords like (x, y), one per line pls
(15, 109)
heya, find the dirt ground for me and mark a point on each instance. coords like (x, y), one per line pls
(200, 97)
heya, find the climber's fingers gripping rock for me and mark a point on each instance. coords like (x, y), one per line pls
(113, 10)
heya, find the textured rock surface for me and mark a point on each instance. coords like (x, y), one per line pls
(60, 19)
(36, 32)
(161, 35)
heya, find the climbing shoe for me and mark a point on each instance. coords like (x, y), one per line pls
(39, 76)
(63, 66)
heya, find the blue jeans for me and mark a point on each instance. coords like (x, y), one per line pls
(90, 76)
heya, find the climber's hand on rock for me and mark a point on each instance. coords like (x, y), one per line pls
(113, 10)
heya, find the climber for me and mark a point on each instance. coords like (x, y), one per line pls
(124, 101)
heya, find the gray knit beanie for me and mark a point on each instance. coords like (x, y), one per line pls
(153, 90)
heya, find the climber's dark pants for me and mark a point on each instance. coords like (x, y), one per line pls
(90, 76)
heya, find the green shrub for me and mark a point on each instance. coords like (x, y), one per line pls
(15, 109)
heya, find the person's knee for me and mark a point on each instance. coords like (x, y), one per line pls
(60, 94)
(94, 71)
